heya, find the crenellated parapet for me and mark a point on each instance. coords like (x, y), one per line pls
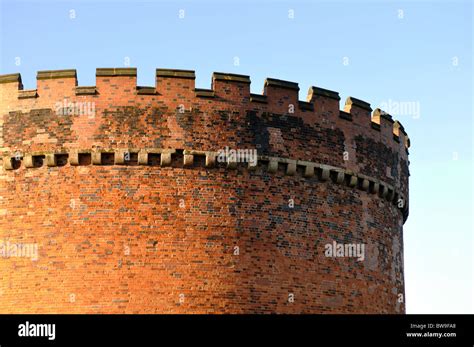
(278, 96)
(60, 114)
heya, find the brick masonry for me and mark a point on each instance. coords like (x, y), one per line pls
(170, 229)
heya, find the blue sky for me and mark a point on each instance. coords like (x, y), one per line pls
(413, 53)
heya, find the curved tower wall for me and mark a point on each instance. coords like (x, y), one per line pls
(133, 208)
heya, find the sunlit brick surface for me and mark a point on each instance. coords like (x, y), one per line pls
(173, 239)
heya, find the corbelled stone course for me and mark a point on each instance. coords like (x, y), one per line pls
(353, 179)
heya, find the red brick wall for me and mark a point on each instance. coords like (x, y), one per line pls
(154, 239)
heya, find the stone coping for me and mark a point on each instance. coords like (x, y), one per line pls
(273, 82)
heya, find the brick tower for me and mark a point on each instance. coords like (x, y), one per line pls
(136, 200)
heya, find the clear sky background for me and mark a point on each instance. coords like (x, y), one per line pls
(405, 52)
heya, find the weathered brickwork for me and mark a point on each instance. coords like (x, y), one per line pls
(120, 188)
